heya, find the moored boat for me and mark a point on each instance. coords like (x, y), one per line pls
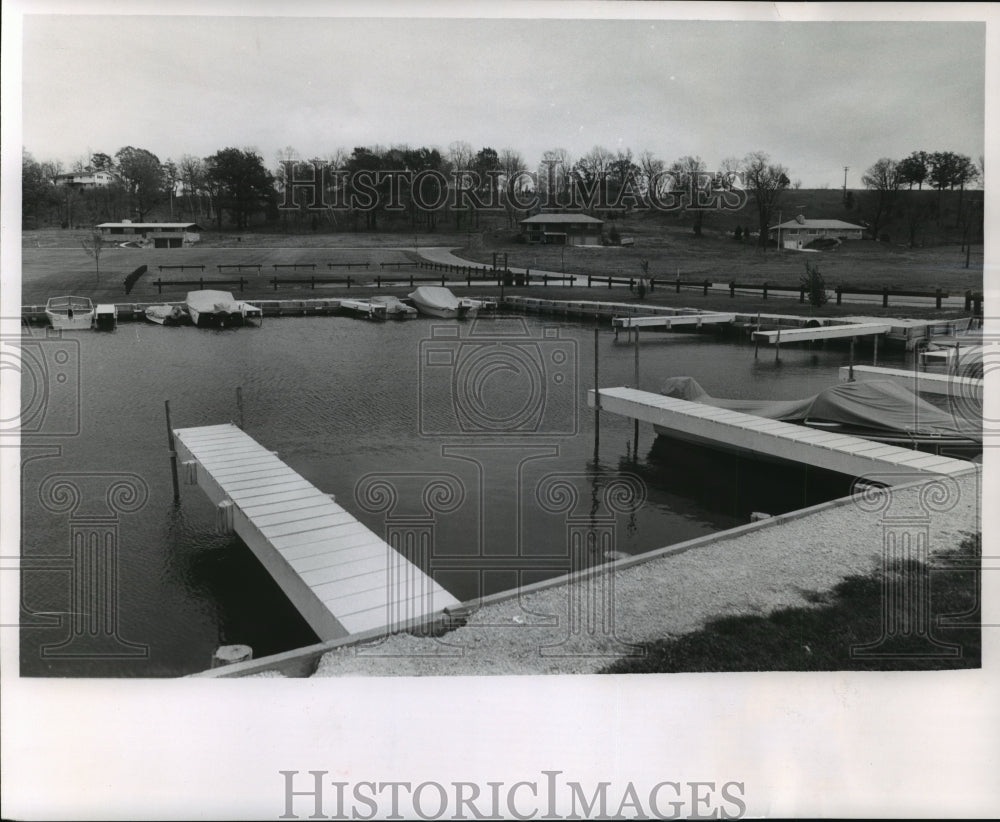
(436, 301)
(165, 314)
(395, 308)
(878, 410)
(218, 308)
(365, 308)
(70, 312)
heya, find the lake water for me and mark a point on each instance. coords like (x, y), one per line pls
(479, 431)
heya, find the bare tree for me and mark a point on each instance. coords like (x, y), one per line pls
(764, 181)
(883, 180)
(554, 176)
(512, 168)
(690, 177)
(461, 157)
(192, 175)
(652, 168)
(93, 245)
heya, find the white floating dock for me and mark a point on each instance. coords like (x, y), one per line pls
(921, 381)
(824, 332)
(668, 322)
(343, 578)
(772, 438)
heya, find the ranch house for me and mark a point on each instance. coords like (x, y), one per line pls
(563, 229)
(161, 235)
(800, 231)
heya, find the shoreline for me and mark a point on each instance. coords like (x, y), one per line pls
(744, 571)
(751, 569)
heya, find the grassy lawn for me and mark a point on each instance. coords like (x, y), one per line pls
(53, 263)
(820, 637)
(675, 251)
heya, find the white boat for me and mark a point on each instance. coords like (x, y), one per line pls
(218, 308)
(436, 301)
(70, 312)
(395, 308)
(165, 314)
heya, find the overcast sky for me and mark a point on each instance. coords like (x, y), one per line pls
(815, 96)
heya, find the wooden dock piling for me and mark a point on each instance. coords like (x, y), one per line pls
(597, 383)
(173, 453)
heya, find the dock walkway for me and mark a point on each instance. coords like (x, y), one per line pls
(923, 382)
(343, 578)
(824, 332)
(853, 456)
(668, 321)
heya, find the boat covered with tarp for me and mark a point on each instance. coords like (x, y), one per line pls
(218, 308)
(395, 308)
(879, 410)
(436, 301)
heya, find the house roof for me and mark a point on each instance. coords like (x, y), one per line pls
(818, 224)
(565, 219)
(149, 225)
(82, 173)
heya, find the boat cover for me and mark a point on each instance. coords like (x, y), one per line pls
(208, 301)
(434, 296)
(870, 405)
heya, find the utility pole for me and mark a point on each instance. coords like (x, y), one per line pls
(845, 184)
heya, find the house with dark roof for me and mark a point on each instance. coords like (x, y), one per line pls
(563, 229)
(799, 232)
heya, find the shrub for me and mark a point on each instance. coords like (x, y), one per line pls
(814, 285)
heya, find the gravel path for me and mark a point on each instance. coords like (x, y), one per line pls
(753, 572)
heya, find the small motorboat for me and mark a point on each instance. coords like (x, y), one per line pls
(879, 410)
(70, 312)
(218, 309)
(370, 309)
(395, 308)
(166, 314)
(436, 301)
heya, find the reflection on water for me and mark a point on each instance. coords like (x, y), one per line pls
(451, 423)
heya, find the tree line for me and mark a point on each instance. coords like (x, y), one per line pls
(891, 197)
(235, 186)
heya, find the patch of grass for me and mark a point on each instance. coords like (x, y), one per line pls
(827, 635)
